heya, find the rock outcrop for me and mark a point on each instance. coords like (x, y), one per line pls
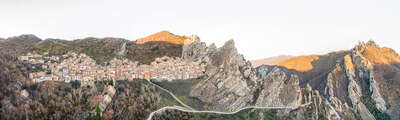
(278, 88)
(123, 50)
(229, 79)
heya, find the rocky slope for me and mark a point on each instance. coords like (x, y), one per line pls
(353, 84)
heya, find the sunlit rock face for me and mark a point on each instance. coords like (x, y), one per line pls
(165, 36)
(229, 78)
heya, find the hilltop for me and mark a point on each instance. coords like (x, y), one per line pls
(370, 50)
(164, 36)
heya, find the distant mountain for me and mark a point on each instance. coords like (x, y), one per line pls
(164, 36)
(18, 44)
(270, 60)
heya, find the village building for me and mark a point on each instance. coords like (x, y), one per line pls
(82, 68)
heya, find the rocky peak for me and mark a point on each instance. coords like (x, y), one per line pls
(193, 38)
(230, 42)
(194, 51)
(226, 52)
(373, 54)
(378, 68)
(361, 46)
(371, 43)
(229, 79)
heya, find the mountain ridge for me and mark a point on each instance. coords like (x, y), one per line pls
(360, 83)
(164, 36)
(269, 60)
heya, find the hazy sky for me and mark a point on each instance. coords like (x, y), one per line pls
(260, 29)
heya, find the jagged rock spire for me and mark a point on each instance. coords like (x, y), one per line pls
(371, 43)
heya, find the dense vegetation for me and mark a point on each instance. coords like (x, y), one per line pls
(149, 51)
(248, 114)
(181, 89)
(52, 47)
(370, 103)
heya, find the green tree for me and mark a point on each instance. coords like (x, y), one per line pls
(76, 84)
(98, 113)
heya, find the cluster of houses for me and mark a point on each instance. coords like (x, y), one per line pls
(72, 66)
(37, 58)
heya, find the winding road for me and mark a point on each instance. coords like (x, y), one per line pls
(218, 112)
(187, 108)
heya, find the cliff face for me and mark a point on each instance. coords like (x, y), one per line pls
(278, 88)
(229, 80)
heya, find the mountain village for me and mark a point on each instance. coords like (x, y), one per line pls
(80, 67)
